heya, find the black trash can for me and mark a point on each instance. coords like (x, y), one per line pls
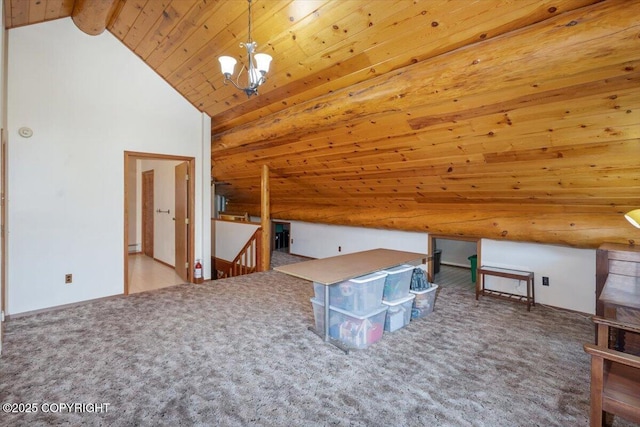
(437, 255)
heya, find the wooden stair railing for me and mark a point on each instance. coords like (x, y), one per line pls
(247, 261)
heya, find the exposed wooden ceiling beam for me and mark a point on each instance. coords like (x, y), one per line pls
(93, 16)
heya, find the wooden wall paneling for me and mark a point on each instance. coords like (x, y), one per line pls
(19, 13)
(386, 49)
(153, 25)
(524, 112)
(467, 149)
(482, 223)
(407, 149)
(125, 18)
(476, 104)
(350, 54)
(134, 25)
(7, 15)
(416, 162)
(56, 8)
(416, 86)
(278, 23)
(194, 30)
(199, 64)
(37, 11)
(575, 158)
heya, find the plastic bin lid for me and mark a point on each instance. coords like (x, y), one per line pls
(398, 269)
(432, 288)
(399, 301)
(378, 310)
(369, 277)
(317, 301)
(359, 316)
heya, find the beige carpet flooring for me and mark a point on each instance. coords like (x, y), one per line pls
(238, 352)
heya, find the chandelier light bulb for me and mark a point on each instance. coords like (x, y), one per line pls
(227, 65)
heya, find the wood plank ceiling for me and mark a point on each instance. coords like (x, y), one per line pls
(493, 118)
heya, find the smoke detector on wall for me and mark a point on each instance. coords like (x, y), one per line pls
(25, 132)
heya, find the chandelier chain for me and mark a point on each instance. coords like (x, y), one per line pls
(250, 39)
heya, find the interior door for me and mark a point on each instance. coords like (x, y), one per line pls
(147, 213)
(182, 220)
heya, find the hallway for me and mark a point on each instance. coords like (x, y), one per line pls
(146, 274)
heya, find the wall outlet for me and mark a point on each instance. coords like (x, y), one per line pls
(545, 281)
(68, 278)
(339, 248)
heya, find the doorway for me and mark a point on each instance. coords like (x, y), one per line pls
(280, 236)
(147, 213)
(186, 240)
(181, 220)
(451, 254)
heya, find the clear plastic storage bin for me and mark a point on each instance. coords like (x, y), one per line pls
(424, 302)
(360, 295)
(398, 313)
(353, 330)
(397, 282)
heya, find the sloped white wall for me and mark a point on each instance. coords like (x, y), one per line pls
(88, 99)
(231, 237)
(321, 240)
(571, 271)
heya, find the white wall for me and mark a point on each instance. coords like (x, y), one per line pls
(321, 240)
(230, 238)
(203, 199)
(571, 271)
(3, 119)
(88, 99)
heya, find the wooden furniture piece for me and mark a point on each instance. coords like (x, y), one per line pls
(621, 300)
(328, 271)
(230, 216)
(527, 276)
(615, 377)
(618, 291)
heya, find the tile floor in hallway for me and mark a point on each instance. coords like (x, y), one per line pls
(146, 274)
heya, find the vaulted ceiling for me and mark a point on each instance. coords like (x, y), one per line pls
(492, 118)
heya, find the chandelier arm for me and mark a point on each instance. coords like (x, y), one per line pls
(228, 80)
(238, 77)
